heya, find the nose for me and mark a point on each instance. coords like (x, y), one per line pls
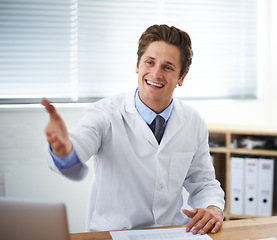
(156, 72)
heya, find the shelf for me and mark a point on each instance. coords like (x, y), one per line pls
(222, 139)
(260, 152)
(243, 151)
(219, 150)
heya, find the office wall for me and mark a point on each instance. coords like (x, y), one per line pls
(23, 169)
(22, 138)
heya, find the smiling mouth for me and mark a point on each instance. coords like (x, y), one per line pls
(154, 84)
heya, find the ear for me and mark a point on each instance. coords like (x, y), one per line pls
(181, 80)
(137, 67)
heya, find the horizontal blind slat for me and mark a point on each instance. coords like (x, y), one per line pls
(88, 47)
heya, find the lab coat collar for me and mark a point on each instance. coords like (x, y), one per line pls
(173, 125)
(141, 127)
(136, 121)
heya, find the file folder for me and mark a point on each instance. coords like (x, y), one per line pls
(265, 187)
(237, 185)
(251, 176)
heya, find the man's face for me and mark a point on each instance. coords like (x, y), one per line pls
(158, 74)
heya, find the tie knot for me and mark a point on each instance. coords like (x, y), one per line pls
(159, 122)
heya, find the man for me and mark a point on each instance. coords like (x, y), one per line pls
(138, 177)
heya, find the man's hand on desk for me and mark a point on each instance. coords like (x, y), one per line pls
(204, 219)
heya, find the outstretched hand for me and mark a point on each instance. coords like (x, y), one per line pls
(204, 220)
(56, 132)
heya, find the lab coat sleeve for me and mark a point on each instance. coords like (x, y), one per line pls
(204, 190)
(86, 138)
(90, 132)
(75, 173)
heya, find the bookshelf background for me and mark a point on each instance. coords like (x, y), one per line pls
(223, 146)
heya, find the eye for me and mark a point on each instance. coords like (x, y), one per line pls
(149, 62)
(168, 67)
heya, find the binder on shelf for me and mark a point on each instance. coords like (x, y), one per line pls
(250, 196)
(237, 185)
(265, 187)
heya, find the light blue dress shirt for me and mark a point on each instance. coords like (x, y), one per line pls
(145, 112)
(149, 115)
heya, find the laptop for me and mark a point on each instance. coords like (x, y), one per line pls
(32, 220)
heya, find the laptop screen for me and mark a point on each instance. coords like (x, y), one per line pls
(32, 220)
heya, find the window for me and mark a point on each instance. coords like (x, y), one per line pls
(38, 50)
(69, 50)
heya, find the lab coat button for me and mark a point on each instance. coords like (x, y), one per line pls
(161, 186)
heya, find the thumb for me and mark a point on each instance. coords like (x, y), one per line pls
(190, 213)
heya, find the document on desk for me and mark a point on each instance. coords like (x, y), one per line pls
(158, 234)
(272, 238)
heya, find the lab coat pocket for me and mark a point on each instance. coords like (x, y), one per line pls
(99, 223)
(179, 165)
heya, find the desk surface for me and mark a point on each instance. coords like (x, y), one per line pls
(250, 229)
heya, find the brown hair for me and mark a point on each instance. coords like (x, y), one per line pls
(170, 35)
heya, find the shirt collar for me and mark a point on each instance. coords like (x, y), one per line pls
(149, 115)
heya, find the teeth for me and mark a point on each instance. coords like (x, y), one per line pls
(154, 84)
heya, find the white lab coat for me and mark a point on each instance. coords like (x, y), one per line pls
(137, 182)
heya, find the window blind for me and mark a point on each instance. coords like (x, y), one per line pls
(69, 50)
(38, 49)
(108, 35)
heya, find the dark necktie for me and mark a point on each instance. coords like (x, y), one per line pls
(159, 122)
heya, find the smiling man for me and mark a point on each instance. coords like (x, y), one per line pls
(146, 147)
(158, 74)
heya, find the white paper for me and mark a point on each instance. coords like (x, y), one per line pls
(158, 234)
(272, 238)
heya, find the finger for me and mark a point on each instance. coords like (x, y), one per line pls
(208, 222)
(217, 226)
(189, 213)
(44, 101)
(203, 224)
(206, 226)
(49, 107)
(197, 216)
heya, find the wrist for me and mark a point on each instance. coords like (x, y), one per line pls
(63, 151)
(216, 210)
